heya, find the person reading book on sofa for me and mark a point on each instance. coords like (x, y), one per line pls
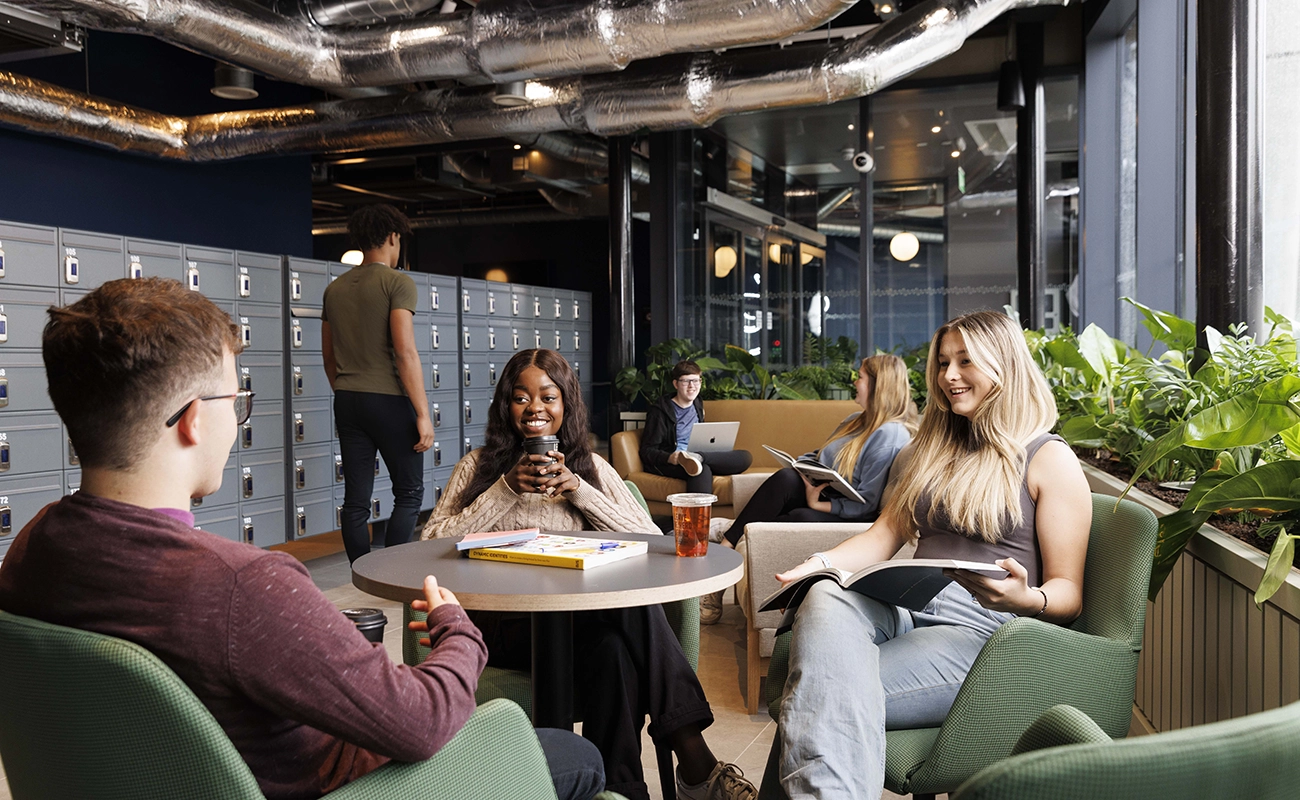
(142, 372)
(667, 432)
(984, 480)
(861, 450)
(628, 664)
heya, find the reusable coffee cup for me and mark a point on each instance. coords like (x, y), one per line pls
(370, 621)
(691, 515)
(541, 445)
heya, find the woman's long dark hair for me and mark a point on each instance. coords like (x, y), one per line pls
(502, 448)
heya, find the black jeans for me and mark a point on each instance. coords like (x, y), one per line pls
(781, 498)
(627, 664)
(719, 462)
(368, 422)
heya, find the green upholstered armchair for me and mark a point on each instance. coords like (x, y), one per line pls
(1028, 665)
(1065, 756)
(91, 716)
(517, 685)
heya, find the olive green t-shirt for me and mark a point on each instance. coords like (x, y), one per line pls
(357, 306)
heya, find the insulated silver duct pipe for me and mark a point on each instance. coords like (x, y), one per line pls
(663, 95)
(499, 41)
(835, 201)
(365, 12)
(579, 150)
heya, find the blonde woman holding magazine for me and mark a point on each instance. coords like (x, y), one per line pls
(984, 480)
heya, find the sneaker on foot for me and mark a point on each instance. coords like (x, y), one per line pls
(718, 527)
(691, 462)
(726, 782)
(711, 608)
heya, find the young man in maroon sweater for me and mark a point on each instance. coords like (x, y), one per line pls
(143, 374)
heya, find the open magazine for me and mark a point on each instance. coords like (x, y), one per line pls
(906, 582)
(817, 473)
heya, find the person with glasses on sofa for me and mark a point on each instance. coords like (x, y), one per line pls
(984, 480)
(628, 664)
(142, 372)
(668, 426)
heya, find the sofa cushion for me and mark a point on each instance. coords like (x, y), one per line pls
(658, 487)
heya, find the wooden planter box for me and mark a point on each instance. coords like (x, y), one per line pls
(1208, 652)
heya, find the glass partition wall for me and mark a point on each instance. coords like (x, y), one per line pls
(944, 208)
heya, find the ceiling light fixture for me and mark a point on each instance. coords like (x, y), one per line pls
(519, 147)
(352, 258)
(955, 153)
(936, 129)
(850, 126)
(232, 83)
(904, 246)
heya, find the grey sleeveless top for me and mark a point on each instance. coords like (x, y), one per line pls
(937, 540)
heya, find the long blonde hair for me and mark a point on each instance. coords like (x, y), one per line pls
(891, 401)
(972, 468)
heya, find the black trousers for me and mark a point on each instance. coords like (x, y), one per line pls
(720, 462)
(369, 422)
(781, 498)
(627, 665)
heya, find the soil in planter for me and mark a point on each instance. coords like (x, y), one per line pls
(1244, 530)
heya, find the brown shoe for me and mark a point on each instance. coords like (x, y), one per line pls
(726, 782)
(711, 608)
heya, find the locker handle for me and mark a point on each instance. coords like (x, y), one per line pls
(467, 343)
(437, 454)
(295, 289)
(246, 382)
(492, 374)
(374, 508)
(469, 414)
(6, 520)
(437, 379)
(492, 340)
(297, 334)
(245, 284)
(338, 516)
(437, 340)
(248, 435)
(468, 374)
(376, 466)
(300, 476)
(74, 460)
(299, 430)
(338, 469)
(464, 302)
(433, 297)
(297, 381)
(302, 524)
(4, 392)
(4, 456)
(248, 485)
(492, 303)
(248, 533)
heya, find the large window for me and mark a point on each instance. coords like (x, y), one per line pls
(1281, 120)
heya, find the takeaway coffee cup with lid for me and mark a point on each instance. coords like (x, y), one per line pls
(541, 445)
(691, 514)
(370, 621)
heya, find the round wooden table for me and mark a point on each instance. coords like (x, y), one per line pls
(551, 594)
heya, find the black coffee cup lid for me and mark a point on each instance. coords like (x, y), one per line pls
(361, 616)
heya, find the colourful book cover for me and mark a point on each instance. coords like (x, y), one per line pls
(556, 550)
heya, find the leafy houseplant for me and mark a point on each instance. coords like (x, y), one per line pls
(1232, 424)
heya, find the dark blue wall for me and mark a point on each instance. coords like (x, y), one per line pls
(262, 205)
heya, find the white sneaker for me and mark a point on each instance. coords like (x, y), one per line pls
(691, 462)
(711, 608)
(726, 782)
(718, 527)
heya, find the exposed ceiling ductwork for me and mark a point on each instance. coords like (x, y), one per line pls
(670, 93)
(499, 41)
(365, 12)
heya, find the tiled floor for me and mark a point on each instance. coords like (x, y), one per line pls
(735, 735)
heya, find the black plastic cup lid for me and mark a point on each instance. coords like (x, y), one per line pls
(365, 616)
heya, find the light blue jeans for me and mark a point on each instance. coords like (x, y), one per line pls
(857, 667)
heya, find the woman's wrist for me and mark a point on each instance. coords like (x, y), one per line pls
(1040, 609)
(823, 558)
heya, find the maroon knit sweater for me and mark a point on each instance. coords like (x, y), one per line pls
(307, 701)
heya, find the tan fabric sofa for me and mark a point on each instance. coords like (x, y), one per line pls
(795, 426)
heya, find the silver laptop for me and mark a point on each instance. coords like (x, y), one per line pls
(710, 437)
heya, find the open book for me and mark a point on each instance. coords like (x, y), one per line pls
(817, 473)
(906, 582)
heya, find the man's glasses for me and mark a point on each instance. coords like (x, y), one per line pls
(243, 406)
(689, 381)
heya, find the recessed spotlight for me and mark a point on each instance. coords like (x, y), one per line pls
(519, 147)
(955, 153)
(936, 129)
(850, 126)
(886, 9)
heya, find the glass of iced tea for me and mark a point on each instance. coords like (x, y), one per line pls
(691, 513)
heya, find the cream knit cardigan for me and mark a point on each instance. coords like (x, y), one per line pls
(586, 508)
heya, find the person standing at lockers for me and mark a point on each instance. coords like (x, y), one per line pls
(368, 344)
